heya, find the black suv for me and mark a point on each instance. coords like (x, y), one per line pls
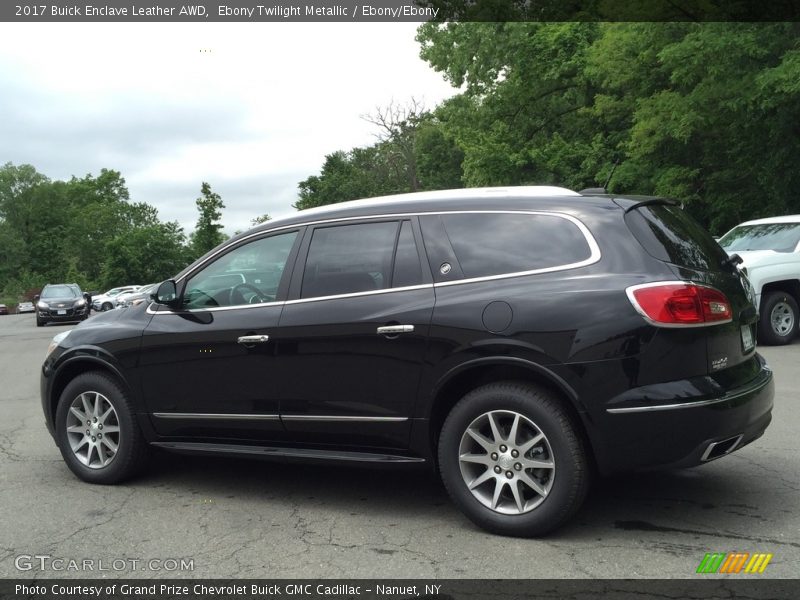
(519, 339)
(61, 303)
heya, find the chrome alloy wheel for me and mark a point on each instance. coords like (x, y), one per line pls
(93, 430)
(506, 462)
(782, 319)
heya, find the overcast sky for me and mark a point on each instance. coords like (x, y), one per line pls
(251, 108)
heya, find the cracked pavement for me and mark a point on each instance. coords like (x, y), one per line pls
(239, 518)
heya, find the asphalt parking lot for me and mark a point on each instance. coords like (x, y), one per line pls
(257, 519)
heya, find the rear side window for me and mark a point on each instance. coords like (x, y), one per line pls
(669, 234)
(346, 259)
(497, 243)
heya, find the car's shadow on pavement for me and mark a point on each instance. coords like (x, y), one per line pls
(673, 501)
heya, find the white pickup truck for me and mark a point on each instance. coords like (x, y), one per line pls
(770, 250)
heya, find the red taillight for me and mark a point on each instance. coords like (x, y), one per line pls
(680, 303)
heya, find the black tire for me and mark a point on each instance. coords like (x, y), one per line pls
(565, 485)
(39, 322)
(106, 306)
(778, 322)
(132, 449)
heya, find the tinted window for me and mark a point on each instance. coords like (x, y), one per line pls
(494, 244)
(248, 274)
(349, 258)
(671, 235)
(407, 270)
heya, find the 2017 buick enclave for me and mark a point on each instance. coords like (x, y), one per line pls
(516, 338)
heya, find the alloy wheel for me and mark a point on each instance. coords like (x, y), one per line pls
(93, 430)
(506, 462)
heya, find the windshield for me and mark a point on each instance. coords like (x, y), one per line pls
(780, 237)
(59, 291)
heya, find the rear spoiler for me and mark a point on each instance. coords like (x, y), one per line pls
(651, 202)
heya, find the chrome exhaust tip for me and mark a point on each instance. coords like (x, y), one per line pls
(721, 448)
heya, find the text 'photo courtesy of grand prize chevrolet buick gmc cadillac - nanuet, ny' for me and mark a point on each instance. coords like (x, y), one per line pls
(520, 340)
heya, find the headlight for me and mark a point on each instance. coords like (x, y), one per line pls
(44, 305)
(80, 303)
(56, 341)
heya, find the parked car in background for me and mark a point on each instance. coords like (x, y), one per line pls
(107, 301)
(516, 338)
(59, 303)
(3, 309)
(132, 298)
(25, 307)
(770, 253)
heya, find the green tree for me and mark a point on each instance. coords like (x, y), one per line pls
(208, 231)
(146, 254)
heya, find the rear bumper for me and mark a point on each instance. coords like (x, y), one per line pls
(687, 431)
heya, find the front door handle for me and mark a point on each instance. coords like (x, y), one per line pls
(395, 329)
(247, 340)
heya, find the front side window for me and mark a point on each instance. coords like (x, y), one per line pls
(348, 259)
(248, 274)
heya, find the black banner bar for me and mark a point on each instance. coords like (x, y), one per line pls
(750, 587)
(258, 11)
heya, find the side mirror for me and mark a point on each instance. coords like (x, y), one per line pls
(166, 293)
(36, 298)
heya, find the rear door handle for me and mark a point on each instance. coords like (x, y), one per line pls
(247, 340)
(395, 329)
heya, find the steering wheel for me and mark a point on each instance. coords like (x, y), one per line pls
(193, 295)
(236, 297)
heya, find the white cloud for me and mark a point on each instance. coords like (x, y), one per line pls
(251, 108)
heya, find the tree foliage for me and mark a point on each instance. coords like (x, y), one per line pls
(208, 231)
(85, 230)
(704, 112)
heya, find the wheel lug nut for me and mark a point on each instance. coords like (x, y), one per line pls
(514, 453)
(87, 432)
(94, 420)
(503, 448)
(494, 455)
(509, 474)
(94, 439)
(100, 426)
(88, 422)
(497, 469)
(518, 467)
(99, 435)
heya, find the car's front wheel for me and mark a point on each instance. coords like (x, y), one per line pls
(512, 460)
(96, 430)
(779, 319)
(106, 306)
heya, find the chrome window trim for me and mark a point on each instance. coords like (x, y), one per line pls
(594, 256)
(217, 416)
(407, 288)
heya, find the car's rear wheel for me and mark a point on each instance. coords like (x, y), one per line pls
(512, 460)
(106, 306)
(779, 319)
(96, 430)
